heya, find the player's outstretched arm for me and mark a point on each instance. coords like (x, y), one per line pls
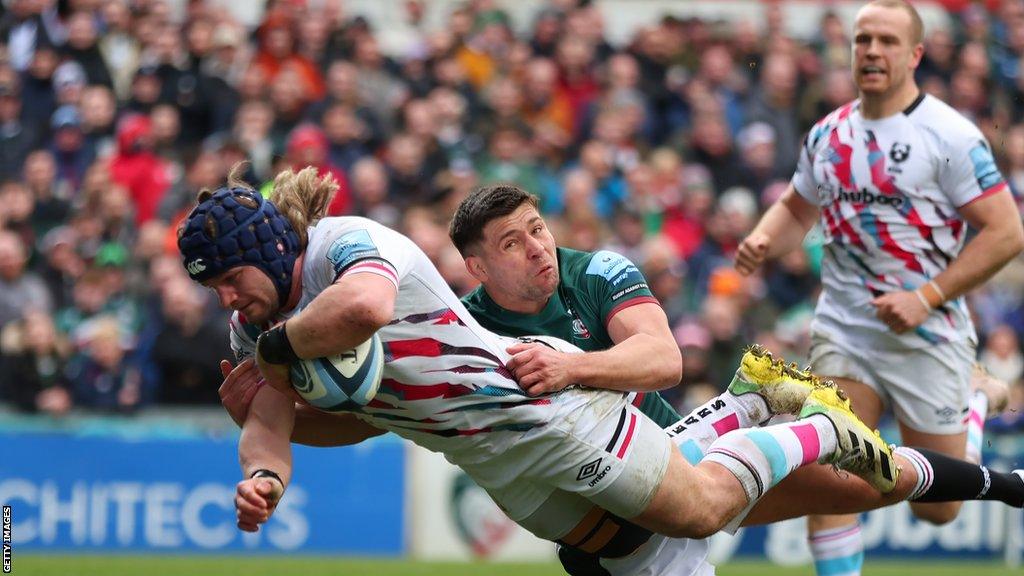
(780, 230)
(264, 447)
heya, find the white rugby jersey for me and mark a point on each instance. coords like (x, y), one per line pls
(445, 385)
(888, 191)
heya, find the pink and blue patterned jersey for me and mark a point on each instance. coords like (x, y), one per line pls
(888, 191)
(445, 385)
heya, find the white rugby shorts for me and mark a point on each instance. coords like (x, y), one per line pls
(928, 388)
(597, 446)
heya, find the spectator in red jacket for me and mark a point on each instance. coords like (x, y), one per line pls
(137, 168)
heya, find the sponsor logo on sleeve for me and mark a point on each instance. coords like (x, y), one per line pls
(629, 290)
(350, 248)
(985, 170)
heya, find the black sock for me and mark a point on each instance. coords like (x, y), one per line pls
(953, 480)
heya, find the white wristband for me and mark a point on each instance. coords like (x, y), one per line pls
(924, 301)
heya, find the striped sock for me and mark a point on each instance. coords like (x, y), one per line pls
(695, 432)
(922, 466)
(838, 551)
(977, 409)
(761, 457)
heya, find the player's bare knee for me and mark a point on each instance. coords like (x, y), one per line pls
(937, 514)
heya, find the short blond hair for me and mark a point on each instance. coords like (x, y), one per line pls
(916, 24)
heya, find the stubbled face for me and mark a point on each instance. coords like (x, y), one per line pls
(248, 290)
(516, 260)
(884, 55)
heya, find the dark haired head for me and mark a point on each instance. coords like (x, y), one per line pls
(481, 207)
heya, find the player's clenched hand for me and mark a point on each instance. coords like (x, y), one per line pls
(255, 501)
(241, 383)
(751, 253)
(540, 369)
(901, 311)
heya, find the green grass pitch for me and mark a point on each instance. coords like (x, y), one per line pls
(85, 565)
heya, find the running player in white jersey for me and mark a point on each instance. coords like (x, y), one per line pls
(894, 179)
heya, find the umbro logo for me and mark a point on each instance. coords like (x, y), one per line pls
(196, 266)
(589, 469)
(947, 415)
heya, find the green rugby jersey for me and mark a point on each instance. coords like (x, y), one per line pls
(592, 287)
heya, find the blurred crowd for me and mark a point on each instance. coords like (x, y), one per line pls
(115, 113)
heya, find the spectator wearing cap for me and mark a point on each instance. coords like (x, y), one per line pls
(16, 138)
(757, 152)
(307, 146)
(69, 81)
(38, 98)
(145, 91)
(20, 289)
(71, 150)
(229, 56)
(137, 168)
(82, 47)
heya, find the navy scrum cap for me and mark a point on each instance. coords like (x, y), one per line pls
(238, 227)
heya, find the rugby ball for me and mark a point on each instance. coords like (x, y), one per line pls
(341, 382)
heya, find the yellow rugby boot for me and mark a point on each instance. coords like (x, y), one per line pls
(784, 388)
(861, 450)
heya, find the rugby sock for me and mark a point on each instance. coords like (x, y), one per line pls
(695, 432)
(838, 551)
(941, 478)
(977, 409)
(761, 457)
